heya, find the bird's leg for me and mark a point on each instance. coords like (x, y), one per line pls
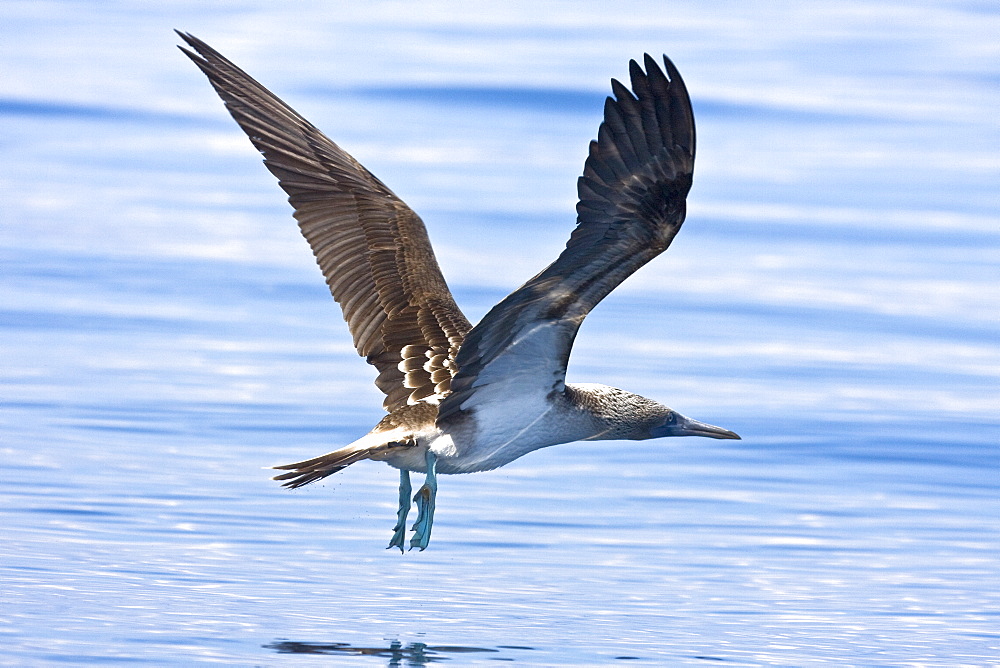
(425, 505)
(399, 531)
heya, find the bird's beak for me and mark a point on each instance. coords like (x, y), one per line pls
(684, 426)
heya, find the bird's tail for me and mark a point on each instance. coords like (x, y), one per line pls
(375, 445)
(317, 468)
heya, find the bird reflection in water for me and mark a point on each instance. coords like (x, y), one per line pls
(411, 654)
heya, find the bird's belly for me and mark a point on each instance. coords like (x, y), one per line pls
(452, 456)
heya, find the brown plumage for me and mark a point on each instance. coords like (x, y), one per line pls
(371, 247)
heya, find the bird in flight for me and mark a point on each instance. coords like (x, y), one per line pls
(461, 398)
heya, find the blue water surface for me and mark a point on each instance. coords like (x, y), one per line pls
(833, 297)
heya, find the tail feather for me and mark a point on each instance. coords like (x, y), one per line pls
(373, 446)
(317, 468)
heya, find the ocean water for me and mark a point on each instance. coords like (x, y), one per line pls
(833, 298)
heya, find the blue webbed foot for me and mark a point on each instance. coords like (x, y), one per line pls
(399, 531)
(425, 506)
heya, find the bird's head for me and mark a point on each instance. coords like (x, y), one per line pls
(623, 415)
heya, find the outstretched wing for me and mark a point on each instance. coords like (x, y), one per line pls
(632, 203)
(371, 247)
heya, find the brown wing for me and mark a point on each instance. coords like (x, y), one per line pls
(372, 248)
(632, 203)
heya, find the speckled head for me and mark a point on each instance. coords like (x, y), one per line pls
(628, 416)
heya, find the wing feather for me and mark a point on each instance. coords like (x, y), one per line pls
(373, 250)
(631, 204)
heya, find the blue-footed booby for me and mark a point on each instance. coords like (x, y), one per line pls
(461, 398)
